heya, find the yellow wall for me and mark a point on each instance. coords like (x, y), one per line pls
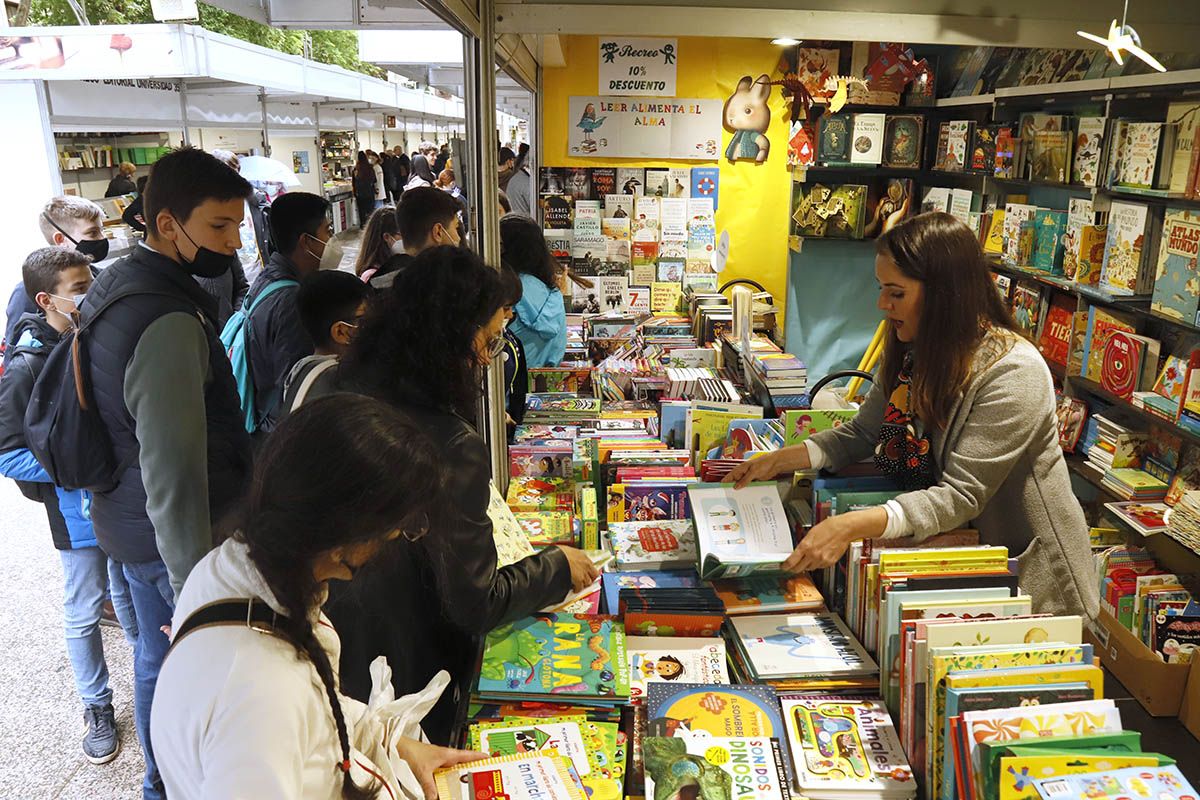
(754, 200)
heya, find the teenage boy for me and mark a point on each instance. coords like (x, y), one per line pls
(70, 222)
(275, 337)
(164, 390)
(53, 277)
(425, 217)
(331, 304)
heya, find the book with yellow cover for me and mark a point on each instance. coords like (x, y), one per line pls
(995, 235)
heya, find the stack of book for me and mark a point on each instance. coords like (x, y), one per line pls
(1134, 484)
(695, 611)
(1184, 524)
(800, 652)
(1116, 447)
(560, 407)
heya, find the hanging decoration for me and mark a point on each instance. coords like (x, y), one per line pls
(748, 117)
(1123, 38)
(839, 88)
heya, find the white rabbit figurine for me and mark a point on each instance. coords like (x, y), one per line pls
(748, 116)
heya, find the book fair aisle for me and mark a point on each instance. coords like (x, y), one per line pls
(695, 665)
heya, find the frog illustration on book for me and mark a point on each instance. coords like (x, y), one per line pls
(551, 654)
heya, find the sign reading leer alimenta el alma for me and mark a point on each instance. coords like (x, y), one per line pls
(635, 127)
(637, 66)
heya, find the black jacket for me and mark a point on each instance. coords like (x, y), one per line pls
(120, 185)
(229, 290)
(122, 523)
(516, 376)
(427, 605)
(275, 338)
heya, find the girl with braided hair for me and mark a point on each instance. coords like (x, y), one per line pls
(248, 703)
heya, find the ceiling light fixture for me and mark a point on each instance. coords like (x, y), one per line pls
(785, 41)
(1123, 38)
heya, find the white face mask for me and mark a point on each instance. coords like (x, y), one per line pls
(331, 256)
(397, 247)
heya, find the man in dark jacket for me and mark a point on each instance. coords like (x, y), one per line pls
(425, 217)
(53, 277)
(164, 391)
(275, 337)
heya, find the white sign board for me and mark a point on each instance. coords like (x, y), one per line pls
(626, 127)
(638, 66)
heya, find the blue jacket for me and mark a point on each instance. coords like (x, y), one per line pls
(540, 323)
(69, 512)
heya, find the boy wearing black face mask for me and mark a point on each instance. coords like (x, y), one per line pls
(163, 387)
(66, 221)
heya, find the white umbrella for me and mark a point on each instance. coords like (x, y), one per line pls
(267, 170)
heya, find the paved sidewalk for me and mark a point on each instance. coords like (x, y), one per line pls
(40, 753)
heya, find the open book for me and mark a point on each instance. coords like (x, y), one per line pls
(739, 531)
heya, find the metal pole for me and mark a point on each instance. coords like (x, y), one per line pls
(535, 146)
(183, 111)
(266, 141)
(479, 77)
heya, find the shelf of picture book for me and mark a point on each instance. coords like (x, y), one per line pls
(640, 237)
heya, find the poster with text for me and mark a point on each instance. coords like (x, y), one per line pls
(643, 66)
(620, 127)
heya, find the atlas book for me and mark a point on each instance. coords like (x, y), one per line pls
(739, 532)
(575, 658)
(1177, 279)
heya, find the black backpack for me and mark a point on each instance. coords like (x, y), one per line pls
(63, 428)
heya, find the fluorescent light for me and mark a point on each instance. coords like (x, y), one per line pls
(785, 41)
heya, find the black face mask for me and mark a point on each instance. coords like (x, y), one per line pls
(206, 263)
(96, 248)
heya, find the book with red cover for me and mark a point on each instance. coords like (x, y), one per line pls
(1055, 339)
(1121, 369)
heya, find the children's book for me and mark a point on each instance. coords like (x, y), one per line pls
(540, 494)
(526, 776)
(544, 528)
(510, 738)
(1177, 279)
(511, 542)
(714, 768)
(1145, 518)
(800, 645)
(721, 711)
(769, 593)
(739, 532)
(1089, 141)
(673, 659)
(575, 657)
(799, 426)
(654, 544)
(845, 747)
(1126, 251)
(614, 582)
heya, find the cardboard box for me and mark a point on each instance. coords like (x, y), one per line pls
(1189, 711)
(1157, 685)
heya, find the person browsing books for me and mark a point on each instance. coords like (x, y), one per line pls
(427, 608)
(248, 703)
(380, 241)
(331, 304)
(540, 320)
(426, 217)
(962, 416)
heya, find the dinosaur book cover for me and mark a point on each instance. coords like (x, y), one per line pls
(709, 768)
(846, 745)
(744, 710)
(577, 657)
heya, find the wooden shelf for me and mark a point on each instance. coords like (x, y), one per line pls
(1075, 464)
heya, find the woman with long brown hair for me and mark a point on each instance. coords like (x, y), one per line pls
(961, 415)
(380, 241)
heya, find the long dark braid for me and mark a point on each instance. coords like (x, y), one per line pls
(343, 470)
(295, 590)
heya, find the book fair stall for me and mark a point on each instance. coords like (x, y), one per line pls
(694, 665)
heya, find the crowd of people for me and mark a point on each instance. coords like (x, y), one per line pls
(294, 529)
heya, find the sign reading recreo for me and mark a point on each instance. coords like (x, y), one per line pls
(640, 66)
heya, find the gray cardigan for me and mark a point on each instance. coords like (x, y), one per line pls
(1001, 468)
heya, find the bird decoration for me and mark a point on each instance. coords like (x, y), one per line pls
(1123, 38)
(588, 123)
(840, 85)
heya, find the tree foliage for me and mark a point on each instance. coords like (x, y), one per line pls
(339, 48)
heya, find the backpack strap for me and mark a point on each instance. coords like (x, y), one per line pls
(309, 380)
(268, 289)
(248, 612)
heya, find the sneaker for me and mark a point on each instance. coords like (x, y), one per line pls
(101, 743)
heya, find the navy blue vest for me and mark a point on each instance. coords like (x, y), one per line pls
(122, 526)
